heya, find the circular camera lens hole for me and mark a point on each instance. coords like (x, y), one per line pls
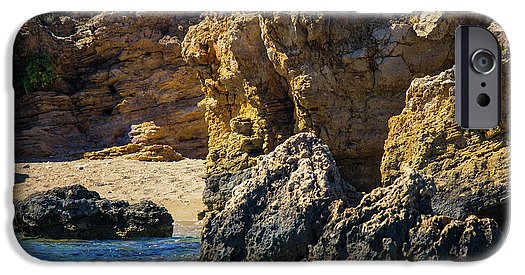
(483, 61)
(483, 100)
(483, 84)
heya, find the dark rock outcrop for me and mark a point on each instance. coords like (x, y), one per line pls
(378, 226)
(75, 212)
(443, 238)
(397, 223)
(293, 205)
(280, 209)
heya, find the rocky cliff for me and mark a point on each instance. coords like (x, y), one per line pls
(470, 167)
(120, 79)
(381, 96)
(267, 76)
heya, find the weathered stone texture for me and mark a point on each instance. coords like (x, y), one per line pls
(118, 70)
(294, 205)
(470, 167)
(280, 209)
(267, 76)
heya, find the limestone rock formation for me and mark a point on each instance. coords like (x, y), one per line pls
(73, 212)
(298, 115)
(146, 145)
(470, 167)
(344, 80)
(137, 152)
(117, 71)
(248, 108)
(280, 209)
(267, 76)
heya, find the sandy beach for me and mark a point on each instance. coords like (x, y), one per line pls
(175, 185)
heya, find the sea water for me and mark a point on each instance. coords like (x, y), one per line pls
(144, 249)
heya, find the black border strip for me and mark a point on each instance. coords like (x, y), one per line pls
(464, 77)
(500, 75)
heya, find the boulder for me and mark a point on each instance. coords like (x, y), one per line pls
(280, 208)
(74, 212)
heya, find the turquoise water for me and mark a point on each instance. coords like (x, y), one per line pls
(146, 249)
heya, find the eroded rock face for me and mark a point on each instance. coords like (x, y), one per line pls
(137, 152)
(117, 72)
(248, 107)
(293, 205)
(319, 55)
(267, 76)
(73, 212)
(470, 167)
(280, 209)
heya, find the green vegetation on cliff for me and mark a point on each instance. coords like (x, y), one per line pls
(37, 70)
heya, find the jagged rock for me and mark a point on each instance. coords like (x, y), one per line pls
(268, 75)
(443, 238)
(470, 167)
(280, 209)
(377, 228)
(117, 71)
(397, 223)
(294, 206)
(74, 212)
